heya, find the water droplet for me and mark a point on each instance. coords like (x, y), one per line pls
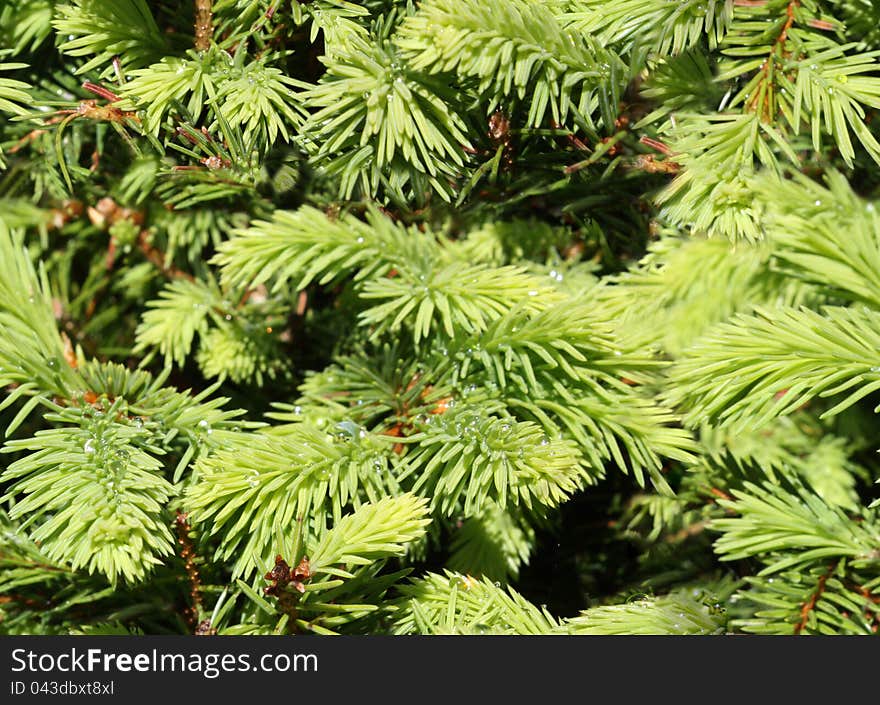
(297, 410)
(817, 202)
(533, 292)
(228, 316)
(203, 423)
(348, 430)
(360, 241)
(544, 441)
(138, 421)
(842, 78)
(89, 447)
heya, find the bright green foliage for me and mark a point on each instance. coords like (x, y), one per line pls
(96, 495)
(125, 30)
(810, 354)
(677, 613)
(174, 319)
(375, 531)
(379, 122)
(516, 49)
(255, 97)
(268, 481)
(13, 94)
(467, 458)
(653, 25)
(771, 524)
(460, 604)
(440, 317)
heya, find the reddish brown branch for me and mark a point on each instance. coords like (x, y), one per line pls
(687, 532)
(204, 26)
(187, 552)
(29, 137)
(766, 67)
(97, 89)
(721, 494)
(810, 604)
(157, 258)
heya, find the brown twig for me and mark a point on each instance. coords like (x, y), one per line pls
(766, 68)
(204, 26)
(155, 256)
(187, 552)
(687, 532)
(810, 604)
(721, 494)
(29, 137)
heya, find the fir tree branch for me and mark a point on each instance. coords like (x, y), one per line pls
(787, 529)
(374, 531)
(676, 613)
(261, 481)
(98, 496)
(379, 122)
(657, 26)
(204, 28)
(460, 604)
(516, 49)
(753, 368)
(123, 30)
(466, 459)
